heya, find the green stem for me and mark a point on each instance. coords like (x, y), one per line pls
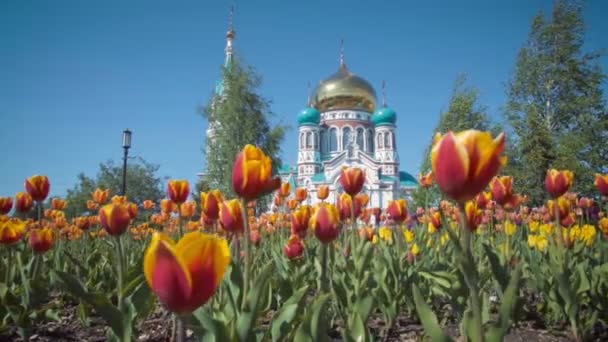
(39, 207)
(179, 329)
(36, 266)
(559, 236)
(179, 220)
(9, 262)
(324, 282)
(121, 270)
(470, 278)
(353, 222)
(247, 252)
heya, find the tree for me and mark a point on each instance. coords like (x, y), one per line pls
(464, 112)
(555, 104)
(238, 116)
(142, 184)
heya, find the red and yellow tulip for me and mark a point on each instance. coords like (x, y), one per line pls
(397, 210)
(301, 194)
(167, 206)
(210, 203)
(558, 182)
(38, 187)
(426, 180)
(284, 190)
(325, 222)
(188, 209)
(114, 218)
(294, 248)
(23, 202)
(352, 180)
(178, 190)
(58, 203)
(41, 240)
(482, 199)
(11, 230)
(231, 216)
(101, 196)
(148, 205)
(322, 192)
(6, 204)
(473, 215)
(465, 162)
(299, 221)
(252, 174)
(502, 189)
(186, 274)
(601, 183)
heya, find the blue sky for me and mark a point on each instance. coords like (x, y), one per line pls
(74, 74)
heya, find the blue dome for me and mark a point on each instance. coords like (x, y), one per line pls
(384, 116)
(309, 115)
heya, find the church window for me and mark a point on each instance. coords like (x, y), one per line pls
(387, 140)
(302, 140)
(380, 142)
(315, 140)
(308, 139)
(370, 141)
(333, 139)
(345, 137)
(323, 138)
(360, 137)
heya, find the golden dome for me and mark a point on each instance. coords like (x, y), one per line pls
(344, 90)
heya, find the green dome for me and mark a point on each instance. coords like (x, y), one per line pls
(384, 116)
(309, 115)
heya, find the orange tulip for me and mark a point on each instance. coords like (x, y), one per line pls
(284, 190)
(352, 180)
(362, 199)
(41, 240)
(255, 237)
(92, 205)
(167, 206)
(178, 190)
(325, 222)
(345, 207)
(563, 207)
(278, 201)
(114, 218)
(23, 202)
(435, 219)
(366, 233)
(397, 209)
(210, 203)
(601, 183)
(473, 215)
(294, 248)
(132, 209)
(301, 194)
(558, 182)
(603, 224)
(426, 180)
(252, 174)
(292, 204)
(148, 205)
(299, 221)
(323, 192)
(11, 230)
(502, 189)
(483, 199)
(58, 203)
(231, 216)
(188, 209)
(38, 187)
(465, 162)
(101, 196)
(585, 203)
(82, 223)
(185, 275)
(117, 199)
(6, 204)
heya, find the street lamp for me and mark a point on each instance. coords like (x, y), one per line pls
(126, 144)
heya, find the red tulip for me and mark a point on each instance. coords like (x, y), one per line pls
(325, 222)
(558, 182)
(502, 189)
(231, 216)
(252, 174)
(6, 204)
(352, 180)
(41, 240)
(323, 192)
(23, 202)
(210, 203)
(294, 248)
(38, 187)
(114, 218)
(397, 209)
(178, 190)
(601, 183)
(299, 221)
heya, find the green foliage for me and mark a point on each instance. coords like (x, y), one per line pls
(464, 112)
(142, 183)
(238, 117)
(555, 104)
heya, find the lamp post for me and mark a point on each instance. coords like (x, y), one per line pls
(126, 144)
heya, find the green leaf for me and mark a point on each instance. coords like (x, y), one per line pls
(213, 330)
(356, 329)
(507, 307)
(498, 270)
(364, 307)
(283, 320)
(248, 316)
(428, 318)
(314, 325)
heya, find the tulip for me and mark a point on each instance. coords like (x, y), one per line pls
(352, 179)
(255, 237)
(82, 223)
(251, 175)
(483, 199)
(292, 204)
(301, 194)
(299, 221)
(23, 202)
(185, 275)
(585, 203)
(322, 192)
(101, 196)
(473, 215)
(148, 205)
(603, 224)
(41, 240)
(6, 204)
(558, 182)
(11, 231)
(294, 248)
(132, 209)
(231, 216)
(325, 222)
(502, 189)
(58, 203)
(117, 199)
(188, 209)
(284, 190)
(434, 221)
(397, 209)
(465, 162)
(601, 183)
(366, 234)
(167, 206)
(210, 203)
(178, 190)
(426, 180)
(278, 201)
(38, 187)
(114, 218)
(345, 206)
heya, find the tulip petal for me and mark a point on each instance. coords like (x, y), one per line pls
(452, 172)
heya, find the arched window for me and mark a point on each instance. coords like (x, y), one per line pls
(345, 136)
(360, 137)
(393, 140)
(380, 140)
(370, 141)
(333, 139)
(323, 138)
(387, 140)
(308, 139)
(315, 140)
(302, 140)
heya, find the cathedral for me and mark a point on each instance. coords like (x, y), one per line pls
(343, 126)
